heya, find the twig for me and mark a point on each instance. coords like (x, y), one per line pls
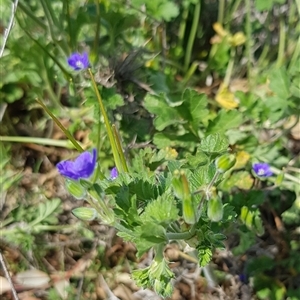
(10, 25)
(2, 262)
(109, 294)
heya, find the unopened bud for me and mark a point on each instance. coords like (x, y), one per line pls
(182, 191)
(238, 39)
(76, 190)
(259, 228)
(85, 213)
(215, 209)
(178, 184)
(225, 162)
(189, 210)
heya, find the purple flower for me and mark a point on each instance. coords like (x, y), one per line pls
(262, 169)
(114, 173)
(82, 167)
(78, 61)
(243, 278)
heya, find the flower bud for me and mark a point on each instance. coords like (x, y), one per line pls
(177, 185)
(259, 228)
(76, 190)
(85, 213)
(279, 179)
(182, 191)
(189, 210)
(225, 162)
(215, 209)
(238, 39)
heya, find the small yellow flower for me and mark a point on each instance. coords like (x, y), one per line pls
(226, 98)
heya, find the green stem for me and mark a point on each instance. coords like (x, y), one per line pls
(297, 4)
(235, 6)
(180, 235)
(69, 23)
(121, 228)
(51, 13)
(40, 141)
(31, 15)
(282, 36)
(214, 179)
(63, 69)
(190, 72)
(295, 56)
(261, 62)
(229, 67)
(5, 222)
(49, 19)
(248, 42)
(105, 213)
(286, 176)
(119, 147)
(48, 86)
(97, 31)
(182, 26)
(28, 228)
(192, 36)
(61, 126)
(107, 125)
(159, 252)
(221, 11)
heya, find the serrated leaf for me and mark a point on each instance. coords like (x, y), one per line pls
(144, 190)
(45, 210)
(195, 104)
(162, 210)
(242, 180)
(204, 255)
(153, 233)
(111, 98)
(157, 276)
(167, 11)
(198, 159)
(225, 120)
(214, 143)
(202, 176)
(262, 5)
(122, 198)
(280, 84)
(229, 213)
(247, 239)
(164, 139)
(165, 115)
(148, 235)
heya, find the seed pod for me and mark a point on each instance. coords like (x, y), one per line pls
(189, 210)
(215, 209)
(177, 185)
(182, 191)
